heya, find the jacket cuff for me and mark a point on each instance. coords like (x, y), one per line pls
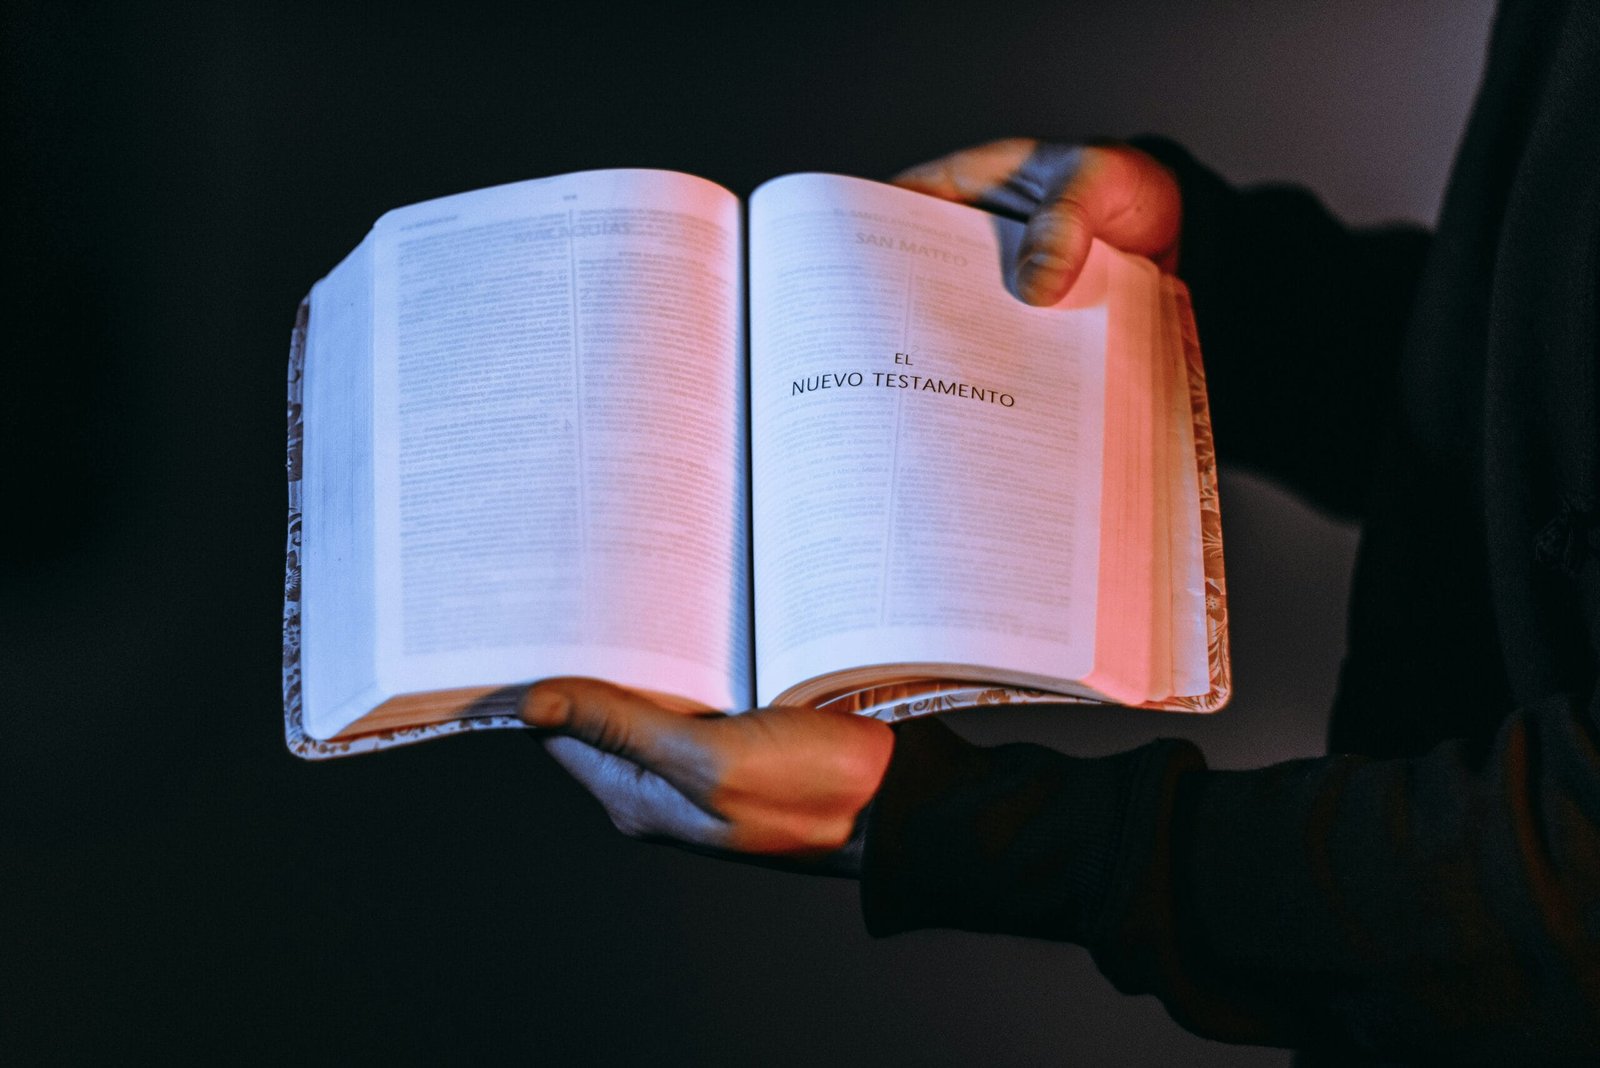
(1019, 839)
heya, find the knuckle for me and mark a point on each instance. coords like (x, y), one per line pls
(1066, 211)
(1011, 146)
(612, 735)
(1049, 225)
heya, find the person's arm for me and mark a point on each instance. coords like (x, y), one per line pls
(1446, 906)
(1301, 320)
(1441, 906)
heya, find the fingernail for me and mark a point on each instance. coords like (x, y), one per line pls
(1042, 256)
(1034, 275)
(1042, 259)
(546, 708)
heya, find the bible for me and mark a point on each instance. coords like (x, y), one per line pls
(811, 450)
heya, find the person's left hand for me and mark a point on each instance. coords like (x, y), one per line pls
(1070, 195)
(785, 784)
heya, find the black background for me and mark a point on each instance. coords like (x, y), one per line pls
(173, 180)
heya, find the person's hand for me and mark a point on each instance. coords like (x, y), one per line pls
(1069, 194)
(783, 785)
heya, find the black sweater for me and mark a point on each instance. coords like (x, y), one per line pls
(1432, 889)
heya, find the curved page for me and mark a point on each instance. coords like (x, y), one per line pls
(559, 437)
(926, 448)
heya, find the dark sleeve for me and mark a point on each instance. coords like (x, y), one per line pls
(1301, 321)
(1444, 906)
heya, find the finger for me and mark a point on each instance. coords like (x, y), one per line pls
(639, 802)
(1050, 184)
(620, 721)
(1014, 177)
(1055, 245)
(1070, 195)
(971, 175)
(1117, 194)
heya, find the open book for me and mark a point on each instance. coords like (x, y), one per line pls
(531, 435)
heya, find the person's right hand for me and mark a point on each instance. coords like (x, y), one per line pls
(785, 785)
(1069, 194)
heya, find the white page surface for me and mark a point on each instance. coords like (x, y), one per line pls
(926, 447)
(338, 652)
(560, 444)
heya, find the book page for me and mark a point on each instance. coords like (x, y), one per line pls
(926, 447)
(559, 437)
(1191, 672)
(337, 570)
(1129, 288)
(1166, 350)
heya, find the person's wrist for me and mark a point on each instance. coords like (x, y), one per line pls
(847, 861)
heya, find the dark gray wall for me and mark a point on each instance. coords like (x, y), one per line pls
(175, 178)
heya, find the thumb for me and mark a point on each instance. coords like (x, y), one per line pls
(1059, 188)
(620, 721)
(1118, 194)
(1055, 244)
